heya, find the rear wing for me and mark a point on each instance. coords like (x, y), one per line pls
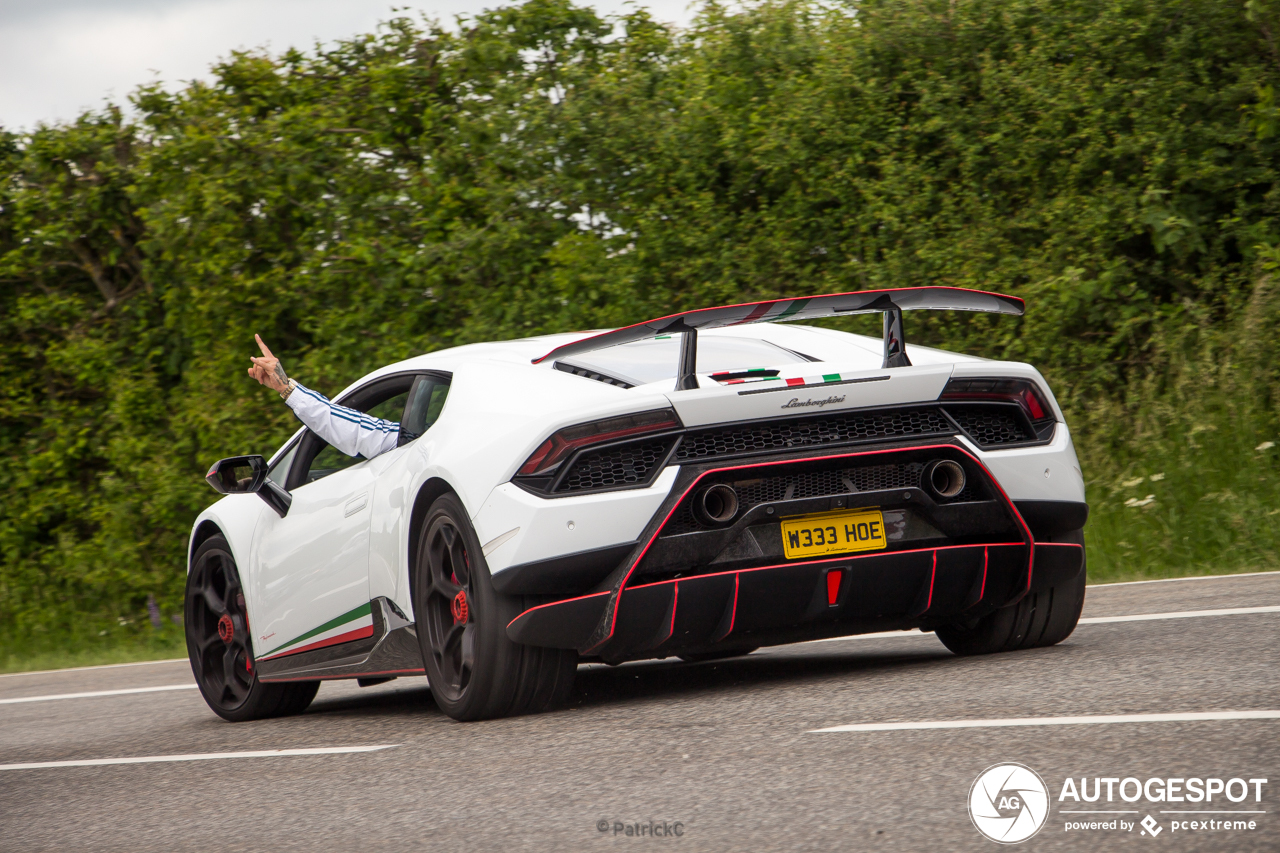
(891, 302)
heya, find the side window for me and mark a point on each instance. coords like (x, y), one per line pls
(425, 404)
(279, 472)
(391, 409)
(328, 461)
(385, 400)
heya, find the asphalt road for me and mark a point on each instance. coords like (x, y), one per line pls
(727, 751)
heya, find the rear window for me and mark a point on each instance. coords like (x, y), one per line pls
(657, 359)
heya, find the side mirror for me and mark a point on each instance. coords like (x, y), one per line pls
(242, 475)
(237, 475)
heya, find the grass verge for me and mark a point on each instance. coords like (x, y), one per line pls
(16, 657)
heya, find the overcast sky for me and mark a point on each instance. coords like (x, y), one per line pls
(59, 57)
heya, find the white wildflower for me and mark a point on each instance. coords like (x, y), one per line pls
(1155, 478)
(1266, 445)
(1129, 484)
(1134, 502)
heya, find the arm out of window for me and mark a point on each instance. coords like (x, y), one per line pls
(352, 432)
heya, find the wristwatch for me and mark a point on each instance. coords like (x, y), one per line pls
(284, 395)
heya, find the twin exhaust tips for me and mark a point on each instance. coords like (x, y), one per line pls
(716, 505)
(944, 478)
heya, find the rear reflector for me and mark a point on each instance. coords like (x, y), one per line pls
(833, 586)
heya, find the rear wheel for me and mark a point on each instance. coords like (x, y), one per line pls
(218, 643)
(475, 670)
(1039, 619)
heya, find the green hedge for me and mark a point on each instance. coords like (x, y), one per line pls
(541, 169)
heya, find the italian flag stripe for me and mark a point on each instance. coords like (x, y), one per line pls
(791, 309)
(363, 613)
(357, 634)
(795, 381)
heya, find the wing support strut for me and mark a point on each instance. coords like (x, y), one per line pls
(687, 377)
(895, 339)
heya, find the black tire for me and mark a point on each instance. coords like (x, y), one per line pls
(716, 655)
(476, 672)
(224, 668)
(1039, 619)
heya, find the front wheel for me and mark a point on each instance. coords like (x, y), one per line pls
(476, 672)
(216, 621)
(1038, 619)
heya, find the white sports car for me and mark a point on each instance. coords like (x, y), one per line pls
(698, 485)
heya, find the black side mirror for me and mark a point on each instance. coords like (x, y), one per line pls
(242, 475)
(237, 475)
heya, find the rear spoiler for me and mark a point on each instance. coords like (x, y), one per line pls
(891, 302)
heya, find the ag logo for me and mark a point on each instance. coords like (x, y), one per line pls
(1008, 803)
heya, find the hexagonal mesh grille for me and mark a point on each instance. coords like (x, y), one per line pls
(845, 427)
(990, 425)
(621, 465)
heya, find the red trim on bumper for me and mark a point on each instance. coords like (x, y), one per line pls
(1029, 541)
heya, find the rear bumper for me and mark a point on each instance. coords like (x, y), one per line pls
(791, 603)
(652, 605)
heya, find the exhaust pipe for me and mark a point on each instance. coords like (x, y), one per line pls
(717, 505)
(944, 478)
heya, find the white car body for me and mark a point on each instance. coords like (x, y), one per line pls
(347, 540)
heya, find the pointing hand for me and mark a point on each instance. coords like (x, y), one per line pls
(267, 369)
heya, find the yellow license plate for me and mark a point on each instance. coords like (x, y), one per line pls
(833, 533)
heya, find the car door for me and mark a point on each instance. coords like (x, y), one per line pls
(310, 580)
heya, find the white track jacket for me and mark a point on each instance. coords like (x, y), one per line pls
(352, 432)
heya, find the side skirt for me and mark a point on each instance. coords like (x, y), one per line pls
(394, 652)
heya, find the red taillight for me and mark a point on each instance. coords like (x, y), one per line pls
(559, 446)
(1021, 391)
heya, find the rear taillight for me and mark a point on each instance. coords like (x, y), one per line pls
(1021, 391)
(562, 444)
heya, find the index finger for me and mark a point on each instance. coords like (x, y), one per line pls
(263, 346)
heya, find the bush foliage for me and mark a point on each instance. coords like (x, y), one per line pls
(541, 169)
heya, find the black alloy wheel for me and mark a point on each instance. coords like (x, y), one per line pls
(216, 619)
(449, 594)
(475, 670)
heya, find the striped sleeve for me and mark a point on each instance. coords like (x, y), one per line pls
(352, 432)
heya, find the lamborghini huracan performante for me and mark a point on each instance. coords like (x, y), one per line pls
(695, 486)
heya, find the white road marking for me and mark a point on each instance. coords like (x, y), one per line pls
(1179, 614)
(1193, 716)
(87, 668)
(199, 756)
(94, 693)
(1189, 578)
(879, 635)
(1088, 620)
